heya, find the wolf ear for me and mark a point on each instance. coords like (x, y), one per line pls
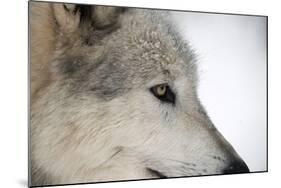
(67, 17)
(71, 17)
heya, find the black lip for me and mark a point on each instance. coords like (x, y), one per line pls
(156, 173)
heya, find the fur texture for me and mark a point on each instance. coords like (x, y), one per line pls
(93, 117)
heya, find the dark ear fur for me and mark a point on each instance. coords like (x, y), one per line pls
(71, 18)
(103, 16)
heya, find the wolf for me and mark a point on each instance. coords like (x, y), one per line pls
(114, 97)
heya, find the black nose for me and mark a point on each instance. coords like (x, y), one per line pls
(236, 168)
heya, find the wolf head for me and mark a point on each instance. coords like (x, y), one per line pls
(121, 102)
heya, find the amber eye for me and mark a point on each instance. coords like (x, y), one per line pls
(161, 90)
(163, 93)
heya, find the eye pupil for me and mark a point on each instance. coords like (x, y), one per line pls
(163, 93)
(161, 90)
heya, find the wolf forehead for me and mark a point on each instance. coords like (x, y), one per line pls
(143, 47)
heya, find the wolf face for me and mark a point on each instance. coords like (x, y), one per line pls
(120, 100)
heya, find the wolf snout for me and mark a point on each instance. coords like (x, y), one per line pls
(236, 167)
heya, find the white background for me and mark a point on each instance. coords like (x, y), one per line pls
(231, 54)
(13, 78)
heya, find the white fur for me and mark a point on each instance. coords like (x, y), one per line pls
(86, 139)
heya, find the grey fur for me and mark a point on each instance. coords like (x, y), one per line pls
(147, 55)
(93, 117)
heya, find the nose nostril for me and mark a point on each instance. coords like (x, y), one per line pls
(236, 168)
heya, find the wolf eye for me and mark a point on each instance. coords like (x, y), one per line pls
(163, 93)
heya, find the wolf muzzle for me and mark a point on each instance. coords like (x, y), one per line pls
(236, 167)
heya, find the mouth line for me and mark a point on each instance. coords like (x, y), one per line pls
(156, 173)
